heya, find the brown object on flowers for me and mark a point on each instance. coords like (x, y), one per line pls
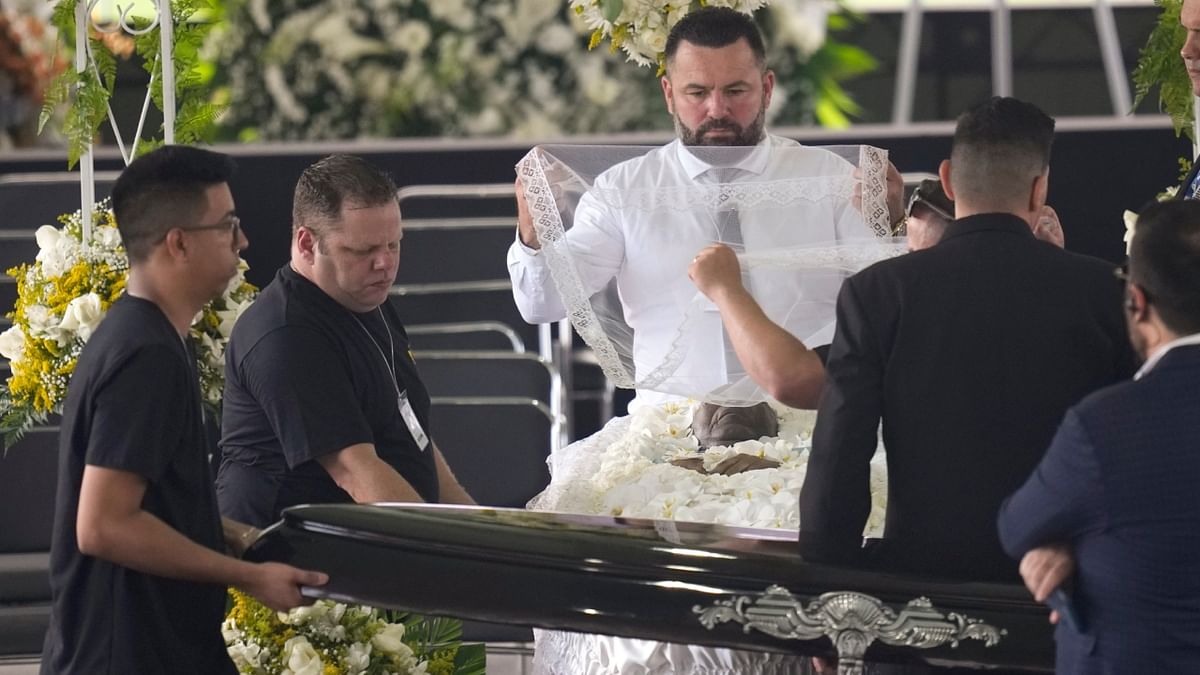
(714, 424)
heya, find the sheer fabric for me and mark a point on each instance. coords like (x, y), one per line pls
(618, 227)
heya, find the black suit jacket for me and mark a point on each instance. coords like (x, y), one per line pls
(970, 352)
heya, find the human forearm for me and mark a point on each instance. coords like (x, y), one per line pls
(143, 542)
(359, 471)
(238, 536)
(780, 363)
(450, 491)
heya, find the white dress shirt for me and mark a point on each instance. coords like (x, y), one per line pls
(1193, 339)
(648, 251)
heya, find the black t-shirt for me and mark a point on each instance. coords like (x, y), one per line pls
(133, 404)
(305, 377)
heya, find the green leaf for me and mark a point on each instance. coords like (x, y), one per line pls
(1159, 66)
(471, 660)
(611, 9)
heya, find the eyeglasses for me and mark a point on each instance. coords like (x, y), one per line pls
(1122, 272)
(232, 223)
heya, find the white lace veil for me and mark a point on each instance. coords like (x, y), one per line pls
(620, 225)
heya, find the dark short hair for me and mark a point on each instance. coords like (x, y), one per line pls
(164, 189)
(929, 194)
(716, 27)
(1000, 146)
(333, 182)
(1164, 260)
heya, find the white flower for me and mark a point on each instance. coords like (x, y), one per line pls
(1130, 225)
(453, 12)
(390, 639)
(246, 655)
(412, 37)
(40, 321)
(300, 658)
(306, 614)
(56, 250)
(81, 317)
(653, 40)
(556, 38)
(106, 238)
(230, 316)
(358, 657)
(801, 26)
(12, 343)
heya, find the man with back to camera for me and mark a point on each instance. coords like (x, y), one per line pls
(969, 352)
(137, 570)
(323, 403)
(1111, 505)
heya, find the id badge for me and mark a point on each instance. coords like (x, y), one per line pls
(410, 420)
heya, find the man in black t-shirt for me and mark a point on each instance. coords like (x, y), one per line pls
(137, 569)
(322, 400)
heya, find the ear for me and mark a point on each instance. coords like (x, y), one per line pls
(1039, 192)
(668, 93)
(944, 176)
(768, 87)
(1135, 303)
(306, 243)
(175, 244)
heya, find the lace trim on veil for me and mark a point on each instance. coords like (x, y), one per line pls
(547, 222)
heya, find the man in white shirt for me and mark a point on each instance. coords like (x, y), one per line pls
(717, 87)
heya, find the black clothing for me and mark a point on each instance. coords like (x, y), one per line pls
(134, 404)
(305, 377)
(970, 352)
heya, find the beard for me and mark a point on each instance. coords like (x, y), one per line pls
(751, 134)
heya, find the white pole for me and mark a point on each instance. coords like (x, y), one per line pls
(167, 39)
(1002, 75)
(906, 67)
(87, 171)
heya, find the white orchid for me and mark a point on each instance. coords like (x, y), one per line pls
(636, 479)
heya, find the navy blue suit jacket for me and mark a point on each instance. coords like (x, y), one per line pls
(1120, 484)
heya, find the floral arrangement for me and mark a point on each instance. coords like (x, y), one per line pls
(85, 94)
(635, 476)
(330, 638)
(640, 28)
(61, 298)
(337, 69)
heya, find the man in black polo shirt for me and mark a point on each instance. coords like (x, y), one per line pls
(136, 565)
(322, 400)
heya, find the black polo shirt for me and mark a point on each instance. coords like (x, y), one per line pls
(304, 377)
(133, 404)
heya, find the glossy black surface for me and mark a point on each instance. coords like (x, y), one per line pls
(622, 576)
